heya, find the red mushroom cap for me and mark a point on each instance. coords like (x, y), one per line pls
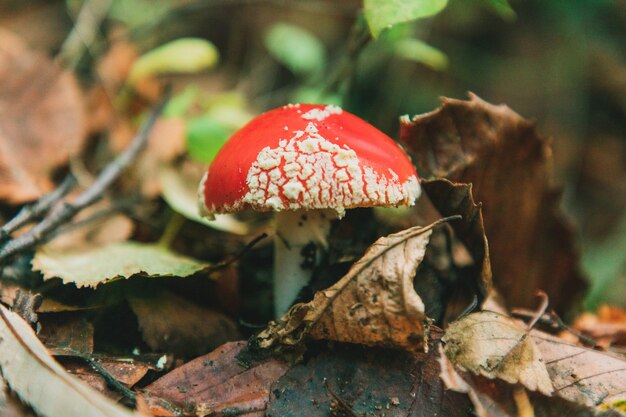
(305, 156)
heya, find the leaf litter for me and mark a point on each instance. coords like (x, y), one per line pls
(373, 308)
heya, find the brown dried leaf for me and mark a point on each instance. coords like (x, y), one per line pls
(496, 346)
(582, 375)
(66, 333)
(42, 114)
(40, 381)
(452, 199)
(189, 330)
(495, 398)
(507, 161)
(367, 382)
(215, 383)
(373, 304)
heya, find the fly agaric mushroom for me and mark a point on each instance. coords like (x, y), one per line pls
(308, 163)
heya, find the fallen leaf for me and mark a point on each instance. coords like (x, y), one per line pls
(66, 333)
(496, 398)
(181, 194)
(373, 304)
(496, 346)
(360, 381)
(40, 381)
(431, 397)
(88, 268)
(582, 375)
(10, 405)
(216, 383)
(189, 330)
(457, 199)
(42, 114)
(507, 161)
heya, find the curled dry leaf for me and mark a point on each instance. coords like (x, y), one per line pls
(495, 346)
(40, 381)
(373, 304)
(507, 161)
(452, 199)
(189, 330)
(583, 375)
(42, 114)
(213, 384)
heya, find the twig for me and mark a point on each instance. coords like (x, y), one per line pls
(64, 212)
(38, 209)
(542, 309)
(85, 29)
(340, 401)
(239, 254)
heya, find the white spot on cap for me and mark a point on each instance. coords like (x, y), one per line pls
(322, 114)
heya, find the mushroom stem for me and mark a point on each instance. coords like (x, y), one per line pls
(300, 240)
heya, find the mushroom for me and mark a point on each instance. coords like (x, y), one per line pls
(307, 163)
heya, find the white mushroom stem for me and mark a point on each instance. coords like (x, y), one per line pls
(300, 240)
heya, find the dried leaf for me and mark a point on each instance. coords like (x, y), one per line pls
(40, 381)
(189, 330)
(363, 381)
(495, 346)
(373, 304)
(496, 398)
(88, 268)
(10, 405)
(42, 114)
(452, 199)
(607, 328)
(507, 161)
(580, 374)
(216, 383)
(66, 333)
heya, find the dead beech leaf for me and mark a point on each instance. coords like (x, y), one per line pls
(40, 381)
(215, 383)
(495, 346)
(373, 304)
(507, 161)
(582, 375)
(189, 330)
(42, 114)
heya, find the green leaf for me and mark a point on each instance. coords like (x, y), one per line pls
(90, 267)
(381, 14)
(205, 137)
(502, 7)
(180, 103)
(185, 55)
(295, 48)
(418, 51)
(182, 197)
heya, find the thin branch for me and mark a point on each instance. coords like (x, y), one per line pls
(34, 211)
(84, 32)
(64, 212)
